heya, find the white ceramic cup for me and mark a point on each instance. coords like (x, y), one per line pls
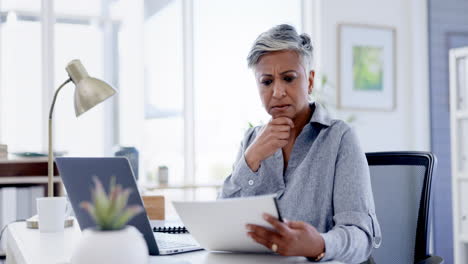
(51, 212)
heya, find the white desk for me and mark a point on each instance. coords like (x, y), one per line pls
(29, 246)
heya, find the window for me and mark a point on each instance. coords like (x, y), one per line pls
(226, 97)
(83, 136)
(24, 5)
(164, 91)
(225, 94)
(79, 33)
(20, 83)
(173, 63)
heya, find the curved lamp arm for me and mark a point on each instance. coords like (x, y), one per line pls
(50, 175)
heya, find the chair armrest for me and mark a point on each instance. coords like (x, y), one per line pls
(432, 260)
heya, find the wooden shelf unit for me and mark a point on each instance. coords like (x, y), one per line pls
(459, 151)
(27, 172)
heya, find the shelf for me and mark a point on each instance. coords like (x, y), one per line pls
(462, 178)
(25, 167)
(461, 115)
(463, 238)
(10, 160)
(27, 180)
(194, 186)
(459, 150)
(28, 171)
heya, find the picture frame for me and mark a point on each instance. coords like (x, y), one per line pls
(366, 67)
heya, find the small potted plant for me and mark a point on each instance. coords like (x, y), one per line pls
(111, 241)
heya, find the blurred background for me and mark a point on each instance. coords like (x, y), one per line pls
(185, 94)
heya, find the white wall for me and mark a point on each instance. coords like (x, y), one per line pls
(407, 127)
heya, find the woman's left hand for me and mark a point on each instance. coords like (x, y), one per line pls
(291, 238)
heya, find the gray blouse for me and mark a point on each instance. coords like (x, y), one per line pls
(326, 184)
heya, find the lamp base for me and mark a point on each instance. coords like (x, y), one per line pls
(33, 222)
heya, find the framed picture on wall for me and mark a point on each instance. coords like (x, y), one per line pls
(366, 67)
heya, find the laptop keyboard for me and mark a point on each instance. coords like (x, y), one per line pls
(168, 241)
(171, 244)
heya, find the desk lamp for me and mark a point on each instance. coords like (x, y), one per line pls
(89, 92)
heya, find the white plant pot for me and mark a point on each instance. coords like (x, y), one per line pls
(118, 247)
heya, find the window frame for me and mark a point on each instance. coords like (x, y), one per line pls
(47, 17)
(310, 23)
(309, 9)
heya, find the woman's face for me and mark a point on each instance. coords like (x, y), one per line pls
(284, 84)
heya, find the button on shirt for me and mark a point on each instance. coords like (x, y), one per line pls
(326, 184)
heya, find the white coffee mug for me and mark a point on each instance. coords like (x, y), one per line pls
(51, 212)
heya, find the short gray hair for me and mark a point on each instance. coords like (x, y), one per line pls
(278, 38)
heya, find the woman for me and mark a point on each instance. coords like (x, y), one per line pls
(312, 162)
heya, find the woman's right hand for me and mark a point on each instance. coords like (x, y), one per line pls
(272, 136)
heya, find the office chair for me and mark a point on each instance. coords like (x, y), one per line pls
(401, 183)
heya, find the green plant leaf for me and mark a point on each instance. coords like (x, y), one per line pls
(122, 200)
(112, 188)
(88, 207)
(110, 211)
(101, 202)
(113, 195)
(128, 214)
(115, 208)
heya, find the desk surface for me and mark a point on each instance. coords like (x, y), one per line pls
(29, 246)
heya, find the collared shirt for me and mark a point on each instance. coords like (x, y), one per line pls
(326, 184)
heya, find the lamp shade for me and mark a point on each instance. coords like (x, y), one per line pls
(89, 91)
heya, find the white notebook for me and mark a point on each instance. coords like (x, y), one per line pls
(220, 225)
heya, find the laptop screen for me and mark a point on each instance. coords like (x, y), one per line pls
(77, 177)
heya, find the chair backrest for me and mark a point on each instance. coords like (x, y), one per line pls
(401, 183)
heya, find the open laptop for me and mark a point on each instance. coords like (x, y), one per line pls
(77, 177)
